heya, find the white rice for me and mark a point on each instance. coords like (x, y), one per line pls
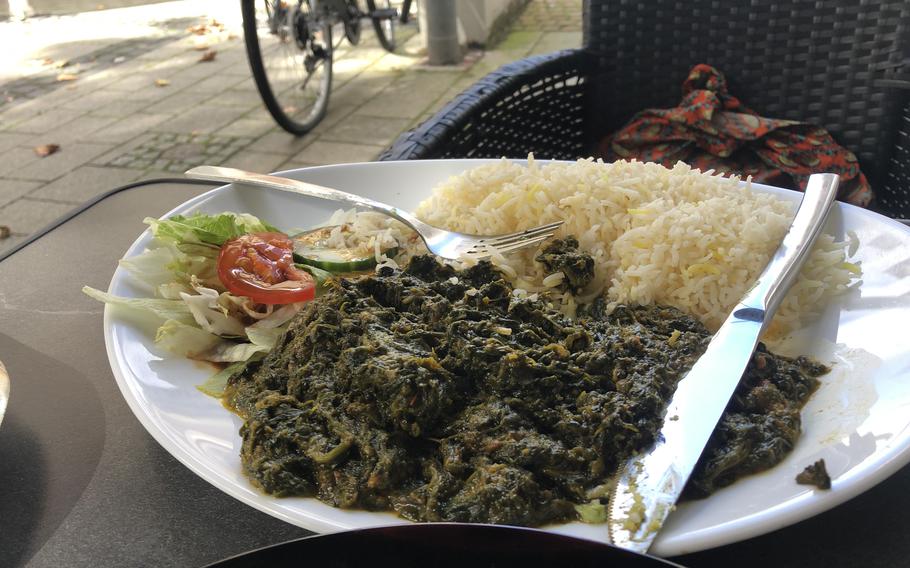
(675, 237)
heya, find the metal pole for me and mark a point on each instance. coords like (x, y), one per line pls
(442, 32)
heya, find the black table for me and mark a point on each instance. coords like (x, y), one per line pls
(83, 484)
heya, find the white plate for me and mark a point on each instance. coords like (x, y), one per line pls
(4, 390)
(858, 421)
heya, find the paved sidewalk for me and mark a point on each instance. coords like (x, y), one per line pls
(124, 95)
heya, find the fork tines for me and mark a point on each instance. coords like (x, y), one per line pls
(514, 241)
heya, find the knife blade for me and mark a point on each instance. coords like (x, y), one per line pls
(649, 483)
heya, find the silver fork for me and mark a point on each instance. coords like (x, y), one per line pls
(447, 244)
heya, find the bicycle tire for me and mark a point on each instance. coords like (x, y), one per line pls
(386, 36)
(260, 76)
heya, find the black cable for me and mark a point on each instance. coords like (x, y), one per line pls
(92, 202)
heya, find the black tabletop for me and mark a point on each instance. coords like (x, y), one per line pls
(83, 484)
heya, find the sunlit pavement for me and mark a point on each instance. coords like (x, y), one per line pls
(125, 95)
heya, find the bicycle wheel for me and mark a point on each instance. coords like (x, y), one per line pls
(290, 53)
(384, 22)
(352, 24)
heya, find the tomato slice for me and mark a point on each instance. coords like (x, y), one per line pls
(261, 267)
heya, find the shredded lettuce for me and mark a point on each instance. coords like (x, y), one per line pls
(201, 320)
(216, 384)
(230, 352)
(265, 337)
(207, 229)
(151, 266)
(164, 309)
(185, 339)
(210, 314)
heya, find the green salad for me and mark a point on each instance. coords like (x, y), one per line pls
(225, 286)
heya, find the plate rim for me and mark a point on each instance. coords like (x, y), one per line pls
(4, 390)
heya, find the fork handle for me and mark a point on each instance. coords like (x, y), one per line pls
(232, 175)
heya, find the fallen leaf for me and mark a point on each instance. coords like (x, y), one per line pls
(46, 150)
(212, 26)
(4, 232)
(67, 77)
(208, 55)
(47, 61)
(232, 36)
(162, 82)
(62, 63)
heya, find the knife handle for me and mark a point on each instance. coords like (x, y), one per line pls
(783, 268)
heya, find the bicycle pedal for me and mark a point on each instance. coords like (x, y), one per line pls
(385, 13)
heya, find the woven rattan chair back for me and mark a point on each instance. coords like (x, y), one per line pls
(840, 64)
(827, 62)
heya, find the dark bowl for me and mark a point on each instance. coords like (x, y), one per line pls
(442, 544)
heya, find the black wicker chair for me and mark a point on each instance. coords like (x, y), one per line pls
(841, 64)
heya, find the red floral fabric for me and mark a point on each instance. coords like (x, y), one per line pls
(711, 129)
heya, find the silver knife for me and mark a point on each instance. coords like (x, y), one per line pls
(649, 483)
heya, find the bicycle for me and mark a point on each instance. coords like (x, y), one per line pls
(290, 49)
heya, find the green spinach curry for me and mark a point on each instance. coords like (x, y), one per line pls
(441, 395)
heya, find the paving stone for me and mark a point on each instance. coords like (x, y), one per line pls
(18, 112)
(366, 130)
(178, 62)
(11, 189)
(246, 126)
(141, 81)
(166, 152)
(203, 118)
(362, 89)
(324, 152)
(25, 216)
(237, 98)
(64, 161)
(10, 140)
(127, 128)
(15, 159)
(92, 60)
(255, 161)
(554, 41)
(177, 103)
(551, 15)
(215, 84)
(93, 101)
(410, 96)
(84, 183)
(163, 53)
(136, 101)
(47, 121)
(281, 142)
(116, 124)
(518, 42)
(192, 75)
(335, 114)
(395, 63)
(73, 132)
(159, 174)
(126, 148)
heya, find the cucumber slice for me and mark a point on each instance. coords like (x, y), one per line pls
(311, 248)
(321, 276)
